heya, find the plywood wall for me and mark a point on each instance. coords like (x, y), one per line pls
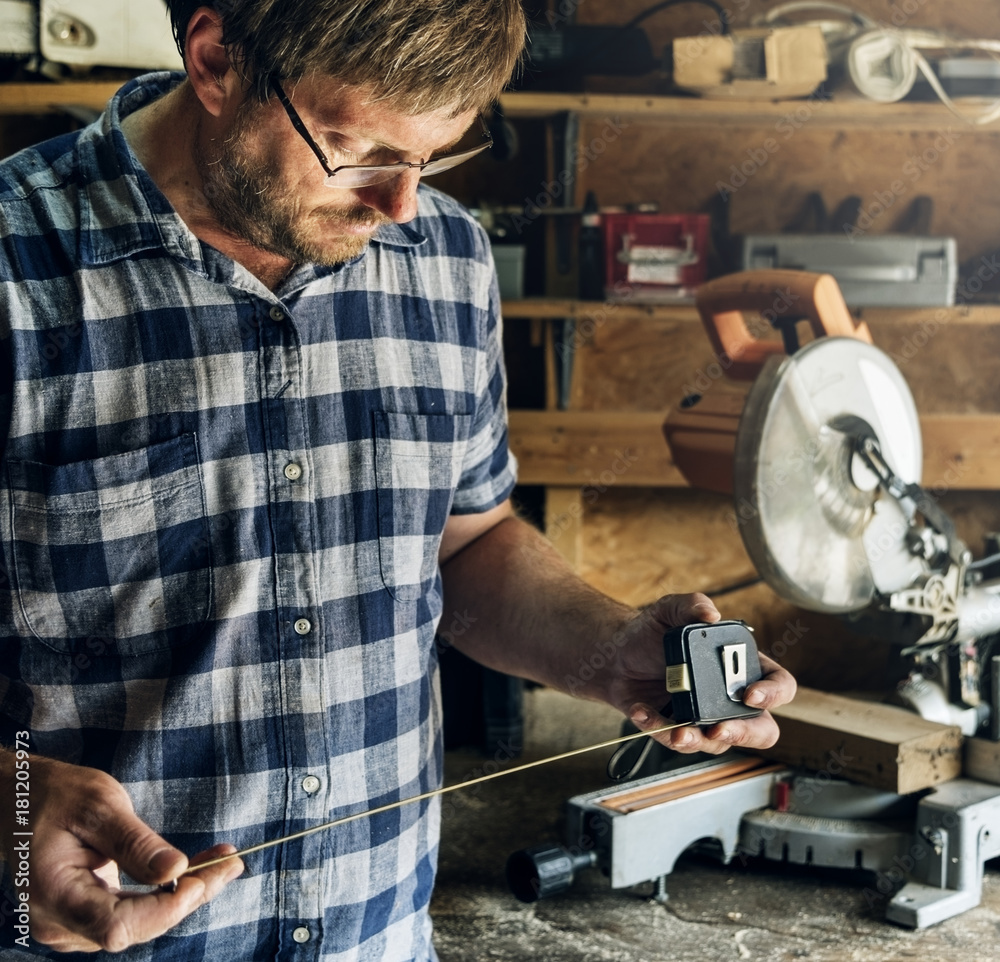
(638, 544)
(688, 169)
(682, 169)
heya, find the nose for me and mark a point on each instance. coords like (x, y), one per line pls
(396, 198)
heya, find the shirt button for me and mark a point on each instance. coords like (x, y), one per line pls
(277, 314)
(293, 471)
(301, 934)
(311, 784)
(303, 626)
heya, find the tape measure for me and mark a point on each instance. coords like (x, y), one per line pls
(708, 667)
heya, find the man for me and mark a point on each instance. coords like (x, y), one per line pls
(254, 446)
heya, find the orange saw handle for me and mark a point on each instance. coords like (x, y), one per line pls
(773, 294)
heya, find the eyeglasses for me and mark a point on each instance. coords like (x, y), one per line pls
(364, 175)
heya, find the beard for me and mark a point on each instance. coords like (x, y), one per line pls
(247, 198)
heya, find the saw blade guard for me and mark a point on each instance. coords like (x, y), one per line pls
(810, 511)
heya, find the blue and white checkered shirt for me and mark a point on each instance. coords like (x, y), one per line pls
(220, 513)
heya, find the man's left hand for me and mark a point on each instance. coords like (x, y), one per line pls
(638, 688)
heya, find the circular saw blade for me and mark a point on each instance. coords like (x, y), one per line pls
(806, 504)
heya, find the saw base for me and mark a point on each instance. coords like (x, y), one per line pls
(723, 807)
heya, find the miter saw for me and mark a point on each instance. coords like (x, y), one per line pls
(823, 456)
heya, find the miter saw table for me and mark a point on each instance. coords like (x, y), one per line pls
(823, 456)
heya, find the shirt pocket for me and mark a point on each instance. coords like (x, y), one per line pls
(418, 462)
(112, 555)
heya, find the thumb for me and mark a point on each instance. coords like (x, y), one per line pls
(114, 830)
(672, 610)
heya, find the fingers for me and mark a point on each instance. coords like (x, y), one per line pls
(224, 871)
(108, 824)
(92, 917)
(776, 687)
(686, 740)
(760, 732)
(672, 610)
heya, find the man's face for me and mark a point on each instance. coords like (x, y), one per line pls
(263, 183)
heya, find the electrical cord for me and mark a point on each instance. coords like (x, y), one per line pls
(720, 12)
(884, 63)
(622, 30)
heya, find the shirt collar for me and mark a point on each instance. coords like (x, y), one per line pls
(123, 212)
(398, 235)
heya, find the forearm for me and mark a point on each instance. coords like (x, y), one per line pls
(514, 604)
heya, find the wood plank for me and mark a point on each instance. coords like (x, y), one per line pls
(926, 319)
(650, 364)
(931, 319)
(878, 745)
(961, 452)
(671, 791)
(592, 449)
(41, 98)
(842, 113)
(602, 449)
(559, 308)
(564, 522)
(630, 796)
(982, 760)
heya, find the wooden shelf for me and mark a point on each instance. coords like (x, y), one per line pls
(561, 309)
(840, 113)
(543, 308)
(41, 98)
(575, 448)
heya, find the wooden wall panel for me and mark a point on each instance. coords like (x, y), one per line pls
(639, 544)
(681, 170)
(950, 361)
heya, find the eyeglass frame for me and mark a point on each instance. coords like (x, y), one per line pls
(393, 170)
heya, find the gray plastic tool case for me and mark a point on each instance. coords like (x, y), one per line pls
(884, 270)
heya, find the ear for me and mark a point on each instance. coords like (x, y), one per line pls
(211, 74)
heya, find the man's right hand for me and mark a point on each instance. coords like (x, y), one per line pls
(84, 828)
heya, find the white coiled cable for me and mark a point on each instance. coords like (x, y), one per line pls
(884, 63)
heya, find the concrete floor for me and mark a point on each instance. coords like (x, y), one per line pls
(761, 912)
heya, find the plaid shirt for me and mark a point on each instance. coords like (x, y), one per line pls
(220, 513)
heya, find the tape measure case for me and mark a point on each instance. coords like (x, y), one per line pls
(708, 668)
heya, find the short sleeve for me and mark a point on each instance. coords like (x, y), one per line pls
(489, 471)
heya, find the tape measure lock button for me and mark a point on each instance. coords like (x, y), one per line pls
(678, 678)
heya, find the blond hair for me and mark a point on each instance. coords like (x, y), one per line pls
(420, 55)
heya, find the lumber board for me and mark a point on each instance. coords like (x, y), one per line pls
(564, 522)
(978, 315)
(41, 98)
(640, 358)
(600, 449)
(878, 745)
(982, 760)
(639, 799)
(592, 449)
(841, 113)
(600, 312)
